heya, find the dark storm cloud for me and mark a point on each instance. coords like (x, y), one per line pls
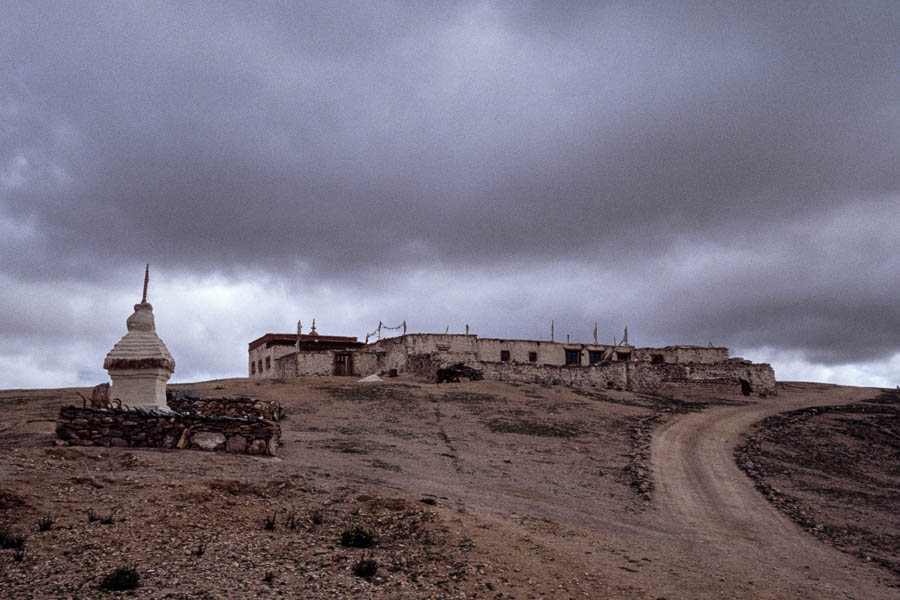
(344, 142)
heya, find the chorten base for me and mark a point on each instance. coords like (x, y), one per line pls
(140, 387)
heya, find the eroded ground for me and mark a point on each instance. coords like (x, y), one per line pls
(476, 490)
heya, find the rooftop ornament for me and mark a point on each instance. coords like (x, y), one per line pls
(139, 365)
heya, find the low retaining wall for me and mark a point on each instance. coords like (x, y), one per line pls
(193, 401)
(144, 428)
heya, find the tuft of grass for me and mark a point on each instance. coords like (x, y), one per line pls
(201, 548)
(365, 567)
(19, 555)
(428, 501)
(10, 539)
(291, 521)
(269, 522)
(317, 517)
(269, 578)
(92, 516)
(121, 578)
(108, 519)
(46, 523)
(356, 535)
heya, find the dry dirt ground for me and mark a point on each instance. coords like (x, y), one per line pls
(475, 490)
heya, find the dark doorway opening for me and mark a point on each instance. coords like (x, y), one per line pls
(343, 363)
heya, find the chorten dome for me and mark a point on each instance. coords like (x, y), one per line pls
(140, 364)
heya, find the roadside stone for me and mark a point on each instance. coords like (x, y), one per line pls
(236, 443)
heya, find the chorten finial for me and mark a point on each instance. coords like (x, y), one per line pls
(146, 281)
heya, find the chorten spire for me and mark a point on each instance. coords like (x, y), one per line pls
(146, 281)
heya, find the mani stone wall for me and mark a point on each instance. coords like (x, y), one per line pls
(143, 428)
(193, 401)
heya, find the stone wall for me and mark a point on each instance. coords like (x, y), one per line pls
(141, 428)
(193, 401)
(610, 374)
(647, 376)
(635, 376)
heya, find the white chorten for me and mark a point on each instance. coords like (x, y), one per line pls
(139, 365)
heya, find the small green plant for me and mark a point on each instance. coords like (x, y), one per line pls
(92, 516)
(357, 536)
(46, 523)
(269, 578)
(201, 548)
(428, 501)
(291, 521)
(122, 578)
(365, 567)
(269, 522)
(317, 517)
(19, 555)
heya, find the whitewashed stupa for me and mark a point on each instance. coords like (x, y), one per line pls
(140, 364)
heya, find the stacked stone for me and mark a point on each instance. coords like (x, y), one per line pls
(143, 428)
(193, 401)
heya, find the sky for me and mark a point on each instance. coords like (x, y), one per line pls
(697, 172)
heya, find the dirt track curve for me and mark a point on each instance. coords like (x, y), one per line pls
(725, 526)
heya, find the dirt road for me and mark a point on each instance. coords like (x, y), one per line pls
(724, 526)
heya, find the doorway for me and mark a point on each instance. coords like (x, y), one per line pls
(343, 363)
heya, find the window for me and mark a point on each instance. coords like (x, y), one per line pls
(595, 356)
(623, 356)
(268, 363)
(259, 366)
(573, 357)
(657, 359)
(252, 368)
(504, 355)
(532, 357)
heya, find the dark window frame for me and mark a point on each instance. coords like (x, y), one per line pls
(504, 356)
(573, 357)
(595, 356)
(532, 357)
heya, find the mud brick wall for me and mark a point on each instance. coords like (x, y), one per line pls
(191, 401)
(142, 428)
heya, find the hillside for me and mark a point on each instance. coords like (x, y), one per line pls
(475, 490)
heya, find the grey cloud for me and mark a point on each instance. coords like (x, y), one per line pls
(351, 143)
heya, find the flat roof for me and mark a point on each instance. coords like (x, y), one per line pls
(289, 339)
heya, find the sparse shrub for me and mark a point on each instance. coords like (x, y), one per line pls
(19, 555)
(46, 523)
(365, 567)
(92, 516)
(10, 539)
(269, 522)
(269, 578)
(291, 521)
(201, 548)
(357, 536)
(122, 578)
(429, 501)
(108, 519)
(317, 517)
